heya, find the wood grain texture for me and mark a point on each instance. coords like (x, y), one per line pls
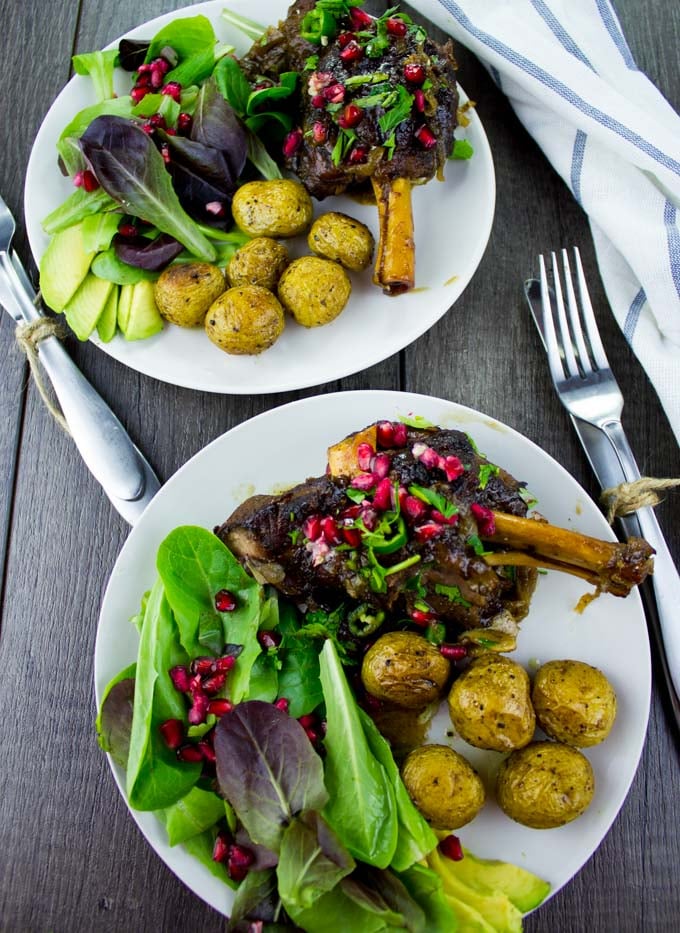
(72, 857)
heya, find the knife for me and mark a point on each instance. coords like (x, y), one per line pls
(115, 462)
(613, 465)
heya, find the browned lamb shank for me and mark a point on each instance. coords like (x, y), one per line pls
(415, 524)
(378, 101)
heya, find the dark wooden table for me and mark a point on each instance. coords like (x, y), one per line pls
(71, 858)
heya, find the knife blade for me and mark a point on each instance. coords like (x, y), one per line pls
(109, 453)
(612, 465)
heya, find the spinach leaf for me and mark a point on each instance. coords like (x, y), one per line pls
(267, 769)
(192, 815)
(232, 84)
(201, 847)
(260, 158)
(194, 566)
(130, 168)
(362, 807)
(108, 266)
(426, 889)
(186, 36)
(77, 206)
(155, 778)
(98, 230)
(325, 913)
(312, 861)
(114, 722)
(415, 838)
(99, 66)
(264, 678)
(381, 892)
(299, 679)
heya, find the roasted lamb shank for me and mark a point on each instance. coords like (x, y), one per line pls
(414, 523)
(378, 102)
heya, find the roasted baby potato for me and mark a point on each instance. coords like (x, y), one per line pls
(544, 785)
(490, 706)
(314, 290)
(443, 786)
(574, 702)
(245, 320)
(343, 239)
(276, 208)
(260, 261)
(405, 669)
(184, 292)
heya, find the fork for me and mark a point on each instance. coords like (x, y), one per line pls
(106, 448)
(589, 391)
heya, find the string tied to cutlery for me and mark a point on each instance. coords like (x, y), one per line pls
(29, 336)
(628, 497)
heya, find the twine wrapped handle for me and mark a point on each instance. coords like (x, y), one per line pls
(29, 336)
(628, 497)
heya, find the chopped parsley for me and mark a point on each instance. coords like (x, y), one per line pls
(433, 498)
(416, 421)
(413, 583)
(390, 144)
(530, 500)
(397, 112)
(311, 63)
(486, 471)
(342, 146)
(356, 495)
(374, 77)
(475, 542)
(294, 535)
(452, 593)
(462, 149)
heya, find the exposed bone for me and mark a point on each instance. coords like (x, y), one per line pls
(395, 265)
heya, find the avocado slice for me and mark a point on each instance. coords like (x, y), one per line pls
(63, 267)
(143, 317)
(468, 919)
(124, 305)
(524, 889)
(106, 325)
(85, 307)
(494, 907)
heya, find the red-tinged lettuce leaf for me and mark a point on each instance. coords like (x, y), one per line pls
(132, 53)
(312, 861)
(216, 125)
(256, 900)
(114, 722)
(203, 180)
(382, 893)
(152, 255)
(132, 171)
(267, 770)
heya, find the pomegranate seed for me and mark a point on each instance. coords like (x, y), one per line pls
(184, 122)
(335, 94)
(239, 861)
(78, 179)
(345, 38)
(427, 531)
(144, 68)
(172, 89)
(402, 496)
(426, 137)
(171, 131)
(351, 116)
(351, 512)
(160, 64)
(224, 664)
(128, 230)
(385, 433)
(213, 684)
(157, 78)
(282, 704)
(144, 80)
(221, 848)
(382, 498)
(422, 616)
(220, 707)
(312, 735)
(311, 527)
(364, 481)
(172, 732)
(352, 536)
(318, 101)
(419, 100)
(90, 182)
(292, 143)
(437, 516)
(148, 128)
(165, 152)
(199, 710)
(330, 530)
(138, 93)
(453, 652)
(450, 847)
(201, 666)
(396, 27)
(365, 454)
(180, 678)
(453, 467)
(359, 18)
(400, 434)
(358, 155)
(206, 750)
(352, 52)
(486, 524)
(369, 517)
(381, 465)
(309, 719)
(427, 455)
(414, 73)
(318, 81)
(319, 133)
(414, 508)
(157, 120)
(189, 753)
(225, 601)
(269, 639)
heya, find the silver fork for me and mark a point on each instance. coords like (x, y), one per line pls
(589, 391)
(104, 445)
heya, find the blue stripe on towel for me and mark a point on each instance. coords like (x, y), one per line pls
(559, 31)
(633, 315)
(496, 75)
(611, 24)
(550, 81)
(670, 219)
(577, 163)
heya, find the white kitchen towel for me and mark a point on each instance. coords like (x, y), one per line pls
(570, 76)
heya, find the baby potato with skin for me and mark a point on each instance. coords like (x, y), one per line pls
(544, 785)
(314, 291)
(279, 207)
(443, 786)
(245, 321)
(343, 239)
(574, 702)
(405, 669)
(260, 261)
(184, 292)
(490, 704)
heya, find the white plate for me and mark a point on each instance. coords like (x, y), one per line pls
(611, 633)
(452, 221)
